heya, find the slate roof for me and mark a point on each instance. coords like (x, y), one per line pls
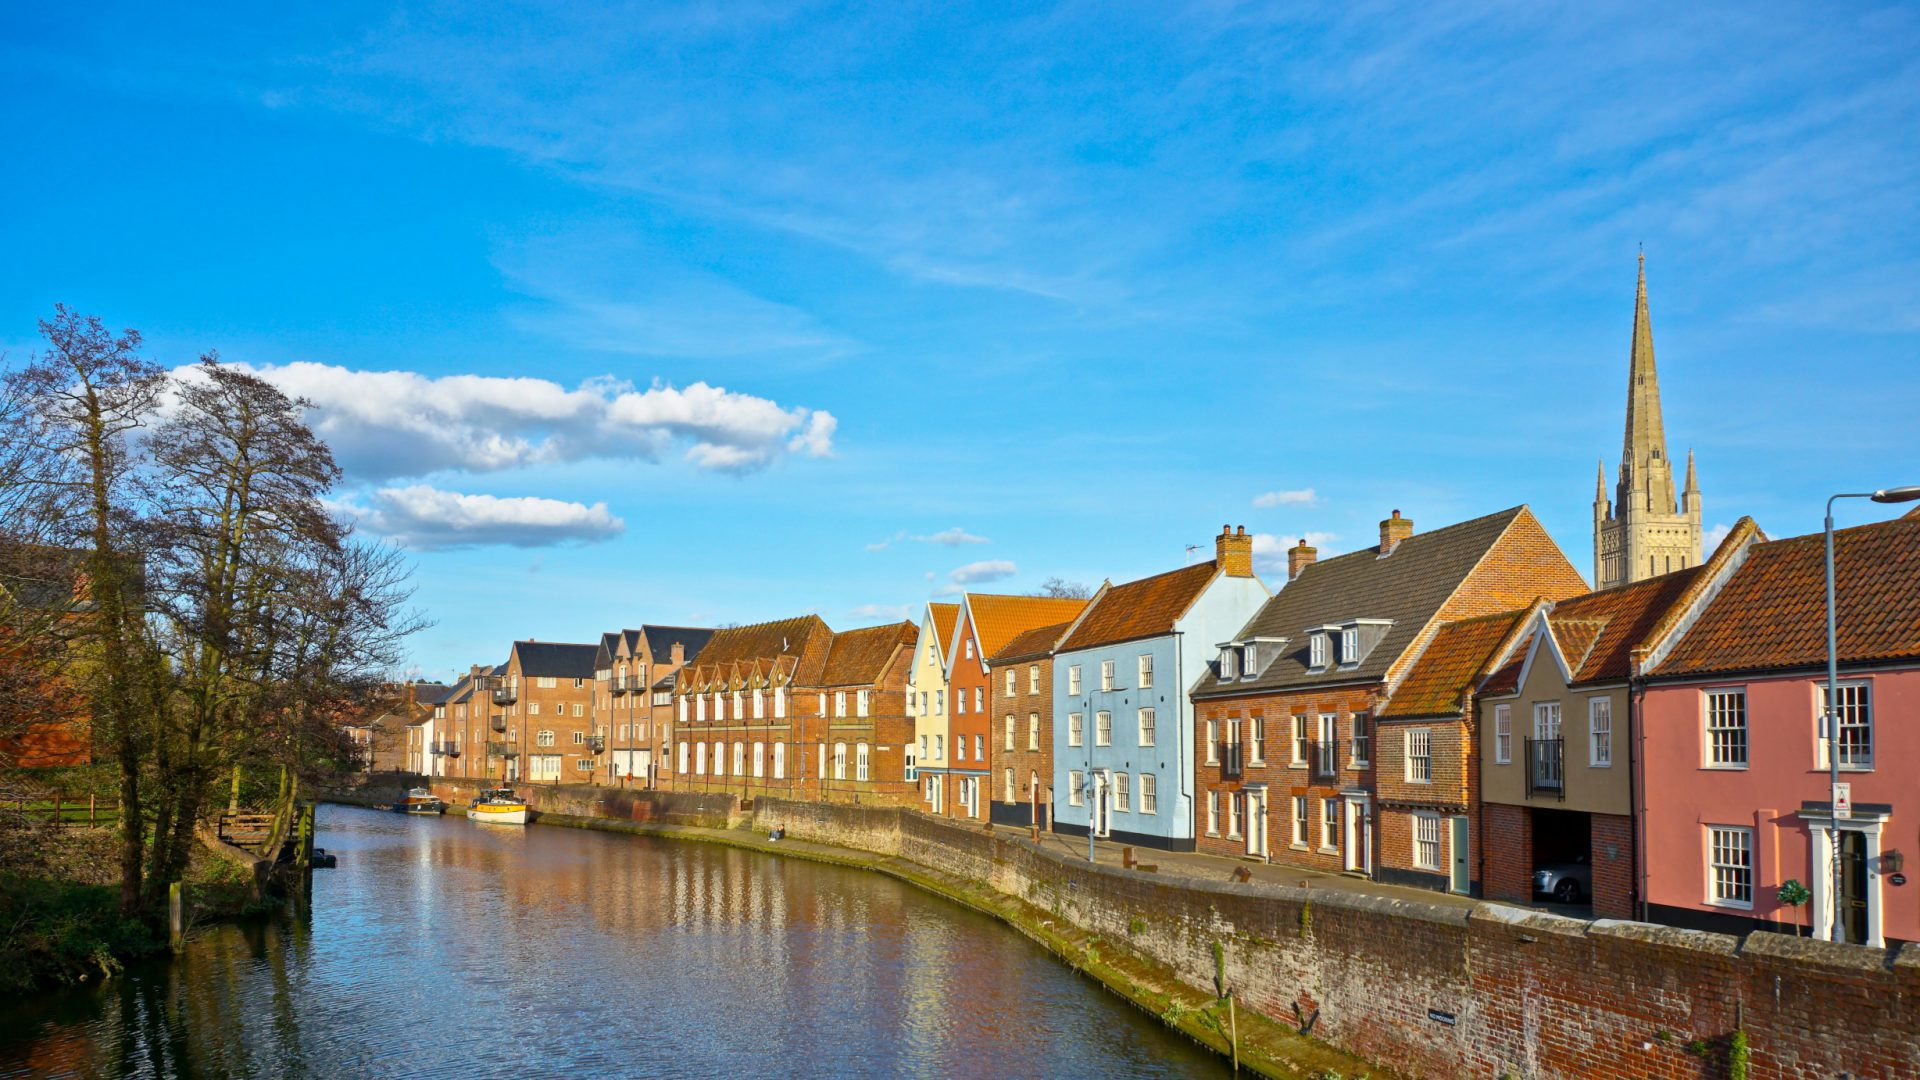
(1032, 645)
(998, 619)
(1448, 669)
(555, 659)
(859, 657)
(1141, 609)
(662, 639)
(1771, 614)
(431, 693)
(1407, 587)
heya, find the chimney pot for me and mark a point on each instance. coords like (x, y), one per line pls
(1234, 552)
(1299, 557)
(1394, 530)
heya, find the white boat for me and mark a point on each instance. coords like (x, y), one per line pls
(498, 806)
(420, 801)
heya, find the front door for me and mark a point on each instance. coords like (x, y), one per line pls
(1102, 812)
(1256, 822)
(1359, 836)
(1462, 881)
(1853, 886)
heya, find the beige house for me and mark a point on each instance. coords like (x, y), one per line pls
(927, 703)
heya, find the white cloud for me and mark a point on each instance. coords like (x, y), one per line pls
(428, 519)
(978, 573)
(1712, 540)
(1270, 550)
(1302, 497)
(954, 537)
(882, 612)
(388, 424)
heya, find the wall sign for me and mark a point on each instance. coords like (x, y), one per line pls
(1439, 1017)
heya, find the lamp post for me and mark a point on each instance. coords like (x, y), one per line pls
(1830, 715)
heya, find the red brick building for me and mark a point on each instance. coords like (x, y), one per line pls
(1287, 719)
(1022, 696)
(986, 622)
(634, 673)
(543, 695)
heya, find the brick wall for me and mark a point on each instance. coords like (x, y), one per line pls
(1506, 851)
(1435, 991)
(1026, 764)
(1284, 780)
(1612, 841)
(716, 811)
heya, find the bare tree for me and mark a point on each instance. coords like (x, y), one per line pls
(1063, 589)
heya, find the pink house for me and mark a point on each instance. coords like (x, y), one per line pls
(1733, 784)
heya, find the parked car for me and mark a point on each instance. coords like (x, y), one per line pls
(1567, 882)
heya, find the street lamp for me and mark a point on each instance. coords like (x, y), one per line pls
(1830, 715)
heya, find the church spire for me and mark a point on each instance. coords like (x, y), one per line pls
(1643, 458)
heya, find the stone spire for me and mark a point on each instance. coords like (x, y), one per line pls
(1646, 476)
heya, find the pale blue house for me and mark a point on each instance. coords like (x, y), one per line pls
(1123, 751)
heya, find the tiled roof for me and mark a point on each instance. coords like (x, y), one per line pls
(1138, 609)
(1407, 587)
(431, 693)
(768, 641)
(1772, 612)
(1031, 645)
(1598, 632)
(1453, 661)
(998, 619)
(1506, 678)
(944, 618)
(555, 659)
(859, 657)
(662, 639)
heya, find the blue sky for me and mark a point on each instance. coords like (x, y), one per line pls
(832, 309)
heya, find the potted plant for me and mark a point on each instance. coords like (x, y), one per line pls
(1793, 894)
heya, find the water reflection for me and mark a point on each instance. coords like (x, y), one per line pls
(444, 948)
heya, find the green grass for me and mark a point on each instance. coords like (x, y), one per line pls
(55, 932)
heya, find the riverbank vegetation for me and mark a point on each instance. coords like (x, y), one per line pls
(174, 585)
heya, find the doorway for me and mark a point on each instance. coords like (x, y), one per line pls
(1359, 835)
(1853, 887)
(1257, 822)
(1461, 880)
(1102, 808)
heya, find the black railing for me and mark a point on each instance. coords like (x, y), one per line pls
(1326, 760)
(1544, 767)
(499, 723)
(621, 685)
(502, 750)
(596, 744)
(1232, 762)
(506, 695)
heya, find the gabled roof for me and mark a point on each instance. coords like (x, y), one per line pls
(996, 619)
(608, 649)
(859, 657)
(1406, 588)
(431, 693)
(1140, 609)
(945, 618)
(1771, 613)
(781, 643)
(555, 659)
(662, 639)
(1459, 654)
(1032, 645)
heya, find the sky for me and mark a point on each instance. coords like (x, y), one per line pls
(715, 313)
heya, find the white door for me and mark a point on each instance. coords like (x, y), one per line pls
(1102, 808)
(1256, 823)
(1359, 836)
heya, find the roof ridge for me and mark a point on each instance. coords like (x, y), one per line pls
(1443, 530)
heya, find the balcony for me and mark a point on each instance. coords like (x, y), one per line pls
(621, 685)
(502, 750)
(1325, 760)
(1544, 773)
(596, 744)
(506, 695)
(1232, 761)
(453, 750)
(500, 724)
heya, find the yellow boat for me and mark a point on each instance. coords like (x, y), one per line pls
(498, 806)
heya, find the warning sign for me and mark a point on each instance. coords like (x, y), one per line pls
(1843, 800)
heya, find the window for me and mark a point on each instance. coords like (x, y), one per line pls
(1328, 749)
(1420, 756)
(739, 759)
(939, 747)
(579, 709)
(862, 702)
(1300, 821)
(683, 710)
(700, 759)
(1147, 721)
(1300, 740)
(1426, 841)
(1229, 663)
(839, 761)
(1730, 865)
(700, 709)
(1075, 722)
(719, 759)
(779, 761)
(1073, 679)
(1854, 706)
(780, 703)
(1122, 797)
(1033, 731)
(1502, 734)
(1149, 793)
(1213, 813)
(735, 712)
(1317, 651)
(921, 710)
(1009, 726)
(861, 761)
(1329, 824)
(1073, 787)
(1233, 813)
(546, 682)
(544, 738)
(1362, 740)
(1727, 729)
(1106, 674)
(923, 746)
(1007, 680)
(1257, 740)
(840, 703)
(960, 748)
(979, 748)
(1600, 732)
(939, 702)
(759, 760)
(1350, 646)
(969, 647)
(759, 705)
(683, 757)
(1103, 728)
(820, 762)
(584, 764)
(1249, 661)
(960, 700)
(1010, 797)
(1146, 671)
(980, 699)
(1033, 678)
(1213, 748)
(533, 708)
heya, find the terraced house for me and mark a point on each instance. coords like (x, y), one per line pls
(544, 694)
(1123, 748)
(1288, 715)
(634, 672)
(1022, 672)
(927, 702)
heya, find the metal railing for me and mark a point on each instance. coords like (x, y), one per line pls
(499, 723)
(1544, 767)
(1232, 761)
(502, 750)
(1325, 759)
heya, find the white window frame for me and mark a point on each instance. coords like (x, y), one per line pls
(1298, 745)
(1856, 700)
(759, 760)
(1317, 650)
(1009, 726)
(1718, 706)
(862, 762)
(1503, 734)
(1300, 818)
(1149, 793)
(1103, 728)
(1074, 782)
(1213, 812)
(1033, 731)
(1076, 729)
(960, 701)
(1360, 738)
(1073, 678)
(1729, 858)
(1008, 786)
(1600, 732)
(1008, 680)
(1145, 672)
(839, 761)
(1033, 678)
(779, 761)
(1122, 793)
(1144, 726)
(1229, 663)
(1350, 645)
(1106, 674)
(1428, 846)
(1329, 745)
(1256, 740)
(1329, 824)
(1419, 756)
(1213, 744)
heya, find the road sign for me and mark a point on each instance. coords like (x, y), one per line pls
(1843, 800)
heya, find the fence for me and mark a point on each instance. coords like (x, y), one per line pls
(61, 811)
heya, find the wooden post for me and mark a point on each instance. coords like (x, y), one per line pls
(93, 810)
(233, 798)
(176, 917)
(1233, 1031)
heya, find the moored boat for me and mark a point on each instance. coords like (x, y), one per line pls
(420, 801)
(498, 806)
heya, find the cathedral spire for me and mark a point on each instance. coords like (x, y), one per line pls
(1646, 477)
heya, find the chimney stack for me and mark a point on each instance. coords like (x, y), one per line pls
(1392, 531)
(1233, 550)
(1299, 557)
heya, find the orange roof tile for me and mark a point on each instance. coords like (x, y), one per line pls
(944, 618)
(733, 647)
(1598, 632)
(1453, 661)
(859, 657)
(998, 619)
(1772, 612)
(1142, 608)
(1031, 645)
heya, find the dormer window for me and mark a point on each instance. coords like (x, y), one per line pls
(1350, 645)
(1250, 660)
(1317, 651)
(1229, 663)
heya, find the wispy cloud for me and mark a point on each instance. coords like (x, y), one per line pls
(954, 537)
(428, 519)
(1270, 550)
(979, 573)
(1301, 497)
(1712, 540)
(881, 612)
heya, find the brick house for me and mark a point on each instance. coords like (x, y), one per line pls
(1285, 716)
(1123, 749)
(927, 702)
(862, 693)
(427, 728)
(1735, 770)
(1558, 734)
(1023, 698)
(544, 694)
(986, 622)
(633, 679)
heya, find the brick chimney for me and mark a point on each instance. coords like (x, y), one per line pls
(1233, 550)
(1392, 531)
(1299, 557)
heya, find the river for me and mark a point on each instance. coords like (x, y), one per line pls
(444, 948)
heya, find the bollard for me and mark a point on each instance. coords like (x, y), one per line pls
(1233, 1031)
(176, 917)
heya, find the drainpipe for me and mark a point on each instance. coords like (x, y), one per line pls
(1636, 753)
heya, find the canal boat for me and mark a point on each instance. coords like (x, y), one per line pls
(420, 801)
(498, 806)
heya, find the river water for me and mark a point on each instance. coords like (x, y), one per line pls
(444, 948)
